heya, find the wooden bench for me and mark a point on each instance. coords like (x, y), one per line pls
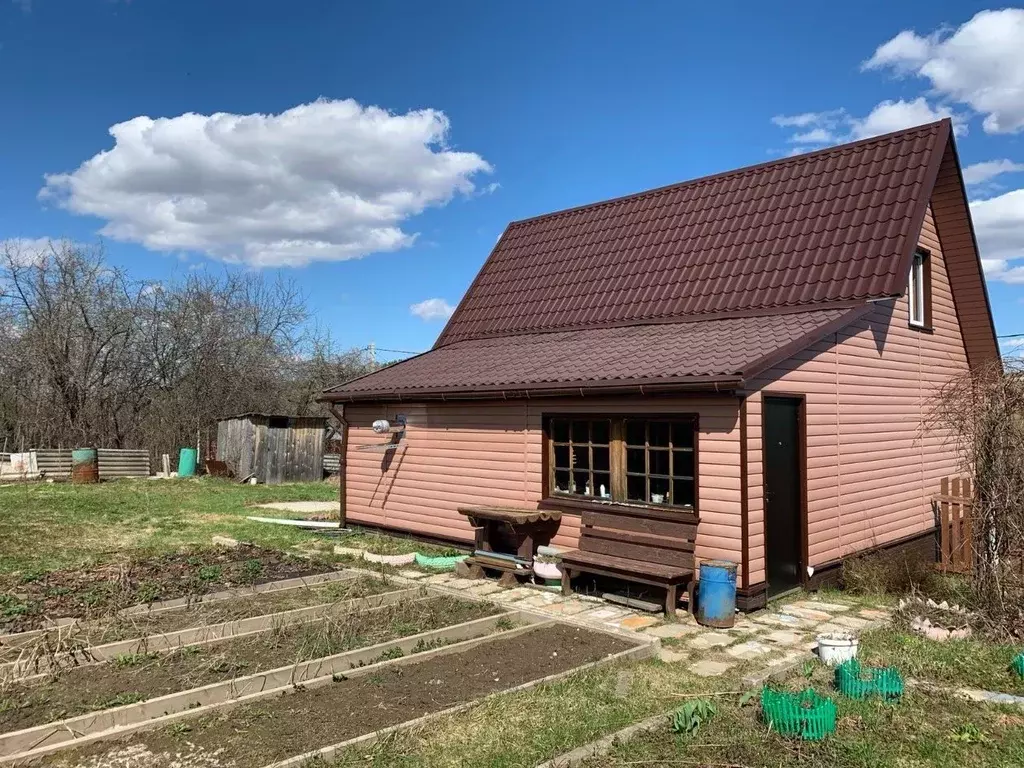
(647, 546)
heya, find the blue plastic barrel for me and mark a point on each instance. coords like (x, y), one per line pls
(716, 593)
(187, 462)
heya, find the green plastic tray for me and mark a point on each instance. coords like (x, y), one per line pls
(439, 563)
(858, 682)
(806, 714)
(1018, 664)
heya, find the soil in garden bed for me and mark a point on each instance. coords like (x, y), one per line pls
(30, 600)
(137, 677)
(274, 729)
(125, 627)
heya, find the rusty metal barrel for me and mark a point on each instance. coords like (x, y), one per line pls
(85, 465)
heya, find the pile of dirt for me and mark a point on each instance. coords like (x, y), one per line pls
(29, 601)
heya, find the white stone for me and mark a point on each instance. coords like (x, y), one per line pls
(225, 541)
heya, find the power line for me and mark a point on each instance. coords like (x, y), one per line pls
(1010, 336)
(397, 351)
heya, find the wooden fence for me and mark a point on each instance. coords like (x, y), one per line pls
(954, 508)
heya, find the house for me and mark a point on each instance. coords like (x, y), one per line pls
(756, 349)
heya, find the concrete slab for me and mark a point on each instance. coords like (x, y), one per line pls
(784, 620)
(748, 650)
(711, 668)
(484, 588)
(636, 623)
(409, 574)
(606, 614)
(806, 613)
(743, 626)
(672, 656)
(785, 637)
(672, 630)
(851, 622)
(816, 605)
(712, 640)
(302, 507)
(872, 614)
(513, 595)
(568, 608)
(441, 580)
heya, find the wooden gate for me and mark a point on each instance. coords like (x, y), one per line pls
(954, 509)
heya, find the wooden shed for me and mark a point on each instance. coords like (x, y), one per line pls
(273, 449)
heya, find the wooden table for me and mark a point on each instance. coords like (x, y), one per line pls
(529, 529)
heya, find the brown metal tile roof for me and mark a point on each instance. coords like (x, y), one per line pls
(834, 225)
(697, 353)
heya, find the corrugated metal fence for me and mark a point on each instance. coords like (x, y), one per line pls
(114, 463)
(332, 463)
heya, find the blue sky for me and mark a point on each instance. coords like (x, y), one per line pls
(488, 113)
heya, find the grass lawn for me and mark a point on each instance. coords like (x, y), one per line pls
(521, 730)
(961, 663)
(53, 525)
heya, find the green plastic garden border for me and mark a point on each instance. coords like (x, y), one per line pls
(806, 714)
(858, 682)
(1018, 664)
(439, 563)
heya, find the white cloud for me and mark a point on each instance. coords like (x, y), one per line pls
(889, 116)
(809, 119)
(999, 223)
(979, 64)
(325, 181)
(23, 251)
(432, 309)
(979, 173)
(818, 129)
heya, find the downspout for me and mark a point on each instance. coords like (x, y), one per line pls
(342, 463)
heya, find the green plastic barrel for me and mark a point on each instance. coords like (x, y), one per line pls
(187, 458)
(85, 465)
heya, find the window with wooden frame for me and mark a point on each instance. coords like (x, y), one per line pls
(919, 291)
(627, 459)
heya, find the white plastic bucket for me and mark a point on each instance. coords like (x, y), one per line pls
(835, 648)
(546, 570)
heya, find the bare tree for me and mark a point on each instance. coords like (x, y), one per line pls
(983, 411)
(89, 356)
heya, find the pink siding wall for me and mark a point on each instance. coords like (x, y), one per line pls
(872, 465)
(490, 453)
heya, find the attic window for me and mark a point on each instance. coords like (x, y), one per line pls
(919, 291)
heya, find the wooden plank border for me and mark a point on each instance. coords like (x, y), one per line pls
(18, 747)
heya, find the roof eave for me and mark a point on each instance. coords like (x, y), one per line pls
(726, 383)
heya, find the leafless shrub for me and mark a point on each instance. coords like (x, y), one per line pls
(89, 356)
(983, 412)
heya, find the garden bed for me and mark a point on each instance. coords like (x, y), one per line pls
(124, 626)
(138, 677)
(30, 600)
(274, 729)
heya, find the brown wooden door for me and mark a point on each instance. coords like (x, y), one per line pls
(783, 483)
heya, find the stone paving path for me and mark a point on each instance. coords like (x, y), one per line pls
(769, 641)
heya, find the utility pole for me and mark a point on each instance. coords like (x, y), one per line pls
(372, 351)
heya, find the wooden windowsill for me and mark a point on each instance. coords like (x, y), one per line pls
(921, 328)
(578, 506)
